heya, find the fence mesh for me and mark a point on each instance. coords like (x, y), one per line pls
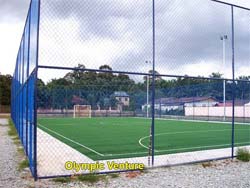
(96, 57)
(23, 86)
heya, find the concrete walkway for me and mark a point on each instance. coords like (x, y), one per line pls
(3, 121)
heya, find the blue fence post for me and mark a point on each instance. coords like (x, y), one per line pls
(233, 92)
(27, 88)
(35, 94)
(153, 87)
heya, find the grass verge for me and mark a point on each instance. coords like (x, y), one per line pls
(12, 130)
(243, 154)
(23, 164)
(14, 136)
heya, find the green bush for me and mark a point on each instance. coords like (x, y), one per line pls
(243, 154)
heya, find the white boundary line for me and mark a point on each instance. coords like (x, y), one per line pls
(177, 149)
(98, 153)
(184, 132)
(203, 121)
(190, 120)
(163, 119)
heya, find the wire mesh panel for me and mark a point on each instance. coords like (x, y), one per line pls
(188, 35)
(23, 86)
(242, 42)
(242, 115)
(112, 131)
(162, 83)
(178, 98)
(94, 33)
(190, 120)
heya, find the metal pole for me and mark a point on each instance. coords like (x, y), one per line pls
(224, 99)
(224, 81)
(243, 98)
(233, 92)
(147, 93)
(160, 108)
(35, 94)
(153, 85)
(27, 89)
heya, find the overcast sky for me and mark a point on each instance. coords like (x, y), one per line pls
(119, 33)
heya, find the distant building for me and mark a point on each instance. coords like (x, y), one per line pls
(77, 100)
(236, 103)
(172, 103)
(122, 97)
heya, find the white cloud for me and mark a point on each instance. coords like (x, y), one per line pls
(10, 37)
(183, 44)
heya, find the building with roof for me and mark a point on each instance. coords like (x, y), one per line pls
(122, 97)
(172, 103)
(237, 102)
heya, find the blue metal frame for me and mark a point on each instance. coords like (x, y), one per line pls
(233, 68)
(23, 94)
(231, 4)
(233, 92)
(35, 95)
(24, 84)
(153, 87)
(135, 73)
(27, 89)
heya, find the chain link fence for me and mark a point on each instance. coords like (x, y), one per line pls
(103, 86)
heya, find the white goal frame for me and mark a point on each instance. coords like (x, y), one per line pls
(77, 110)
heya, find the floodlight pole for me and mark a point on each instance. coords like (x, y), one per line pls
(233, 75)
(233, 68)
(224, 38)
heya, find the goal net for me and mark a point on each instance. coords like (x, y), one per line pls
(82, 111)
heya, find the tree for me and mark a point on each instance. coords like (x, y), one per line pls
(105, 67)
(215, 75)
(75, 75)
(5, 89)
(157, 76)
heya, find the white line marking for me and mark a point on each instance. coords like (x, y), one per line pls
(203, 121)
(160, 151)
(183, 132)
(100, 154)
(121, 154)
(198, 121)
(202, 147)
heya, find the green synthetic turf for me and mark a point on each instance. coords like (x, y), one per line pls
(110, 138)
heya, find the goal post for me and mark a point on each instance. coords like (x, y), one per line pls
(82, 111)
